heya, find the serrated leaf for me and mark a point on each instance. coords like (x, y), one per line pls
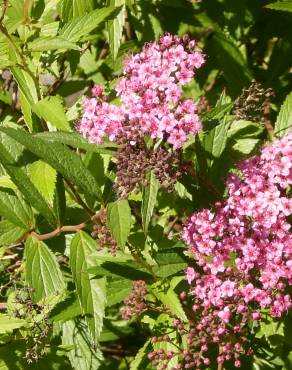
(118, 289)
(42, 271)
(68, 163)
(15, 209)
(52, 43)
(19, 177)
(70, 9)
(83, 356)
(244, 129)
(246, 145)
(91, 292)
(8, 324)
(9, 233)
(75, 140)
(119, 220)
(232, 63)
(82, 26)
(44, 178)
(6, 182)
(127, 270)
(140, 356)
(149, 200)
(115, 27)
(164, 291)
(66, 310)
(214, 141)
(285, 6)
(24, 80)
(284, 120)
(51, 109)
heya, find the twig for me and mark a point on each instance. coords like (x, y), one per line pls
(59, 230)
(5, 6)
(78, 199)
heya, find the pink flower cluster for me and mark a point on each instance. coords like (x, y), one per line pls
(244, 247)
(151, 95)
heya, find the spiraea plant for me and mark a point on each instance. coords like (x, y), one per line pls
(145, 185)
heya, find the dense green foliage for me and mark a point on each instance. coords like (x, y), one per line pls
(61, 295)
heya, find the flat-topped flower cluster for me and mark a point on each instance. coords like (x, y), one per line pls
(151, 95)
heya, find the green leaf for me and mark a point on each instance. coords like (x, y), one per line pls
(246, 146)
(82, 26)
(18, 176)
(24, 80)
(214, 141)
(8, 323)
(164, 291)
(68, 163)
(115, 27)
(140, 356)
(75, 140)
(51, 109)
(66, 310)
(232, 63)
(42, 271)
(149, 200)
(170, 262)
(285, 6)
(244, 129)
(84, 355)
(44, 178)
(119, 220)
(128, 270)
(117, 290)
(15, 209)
(284, 120)
(52, 43)
(29, 191)
(9, 233)
(70, 9)
(90, 291)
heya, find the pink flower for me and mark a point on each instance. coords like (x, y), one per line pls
(190, 275)
(225, 314)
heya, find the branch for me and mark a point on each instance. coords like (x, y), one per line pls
(79, 200)
(59, 230)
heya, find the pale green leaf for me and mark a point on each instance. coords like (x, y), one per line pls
(42, 271)
(51, 109)
(285, 6)
(44, 178)
(70, 9)
(15, 209)
(24, 80)
(119, 220)
(24, 184)
(284, 120)
(82, 26)
(52, 43)
(164, 291)
(6, 182)
(115, 27)
(149, 199)
(9, 233)
(83, 356)
(91, 292)
(8, 324)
